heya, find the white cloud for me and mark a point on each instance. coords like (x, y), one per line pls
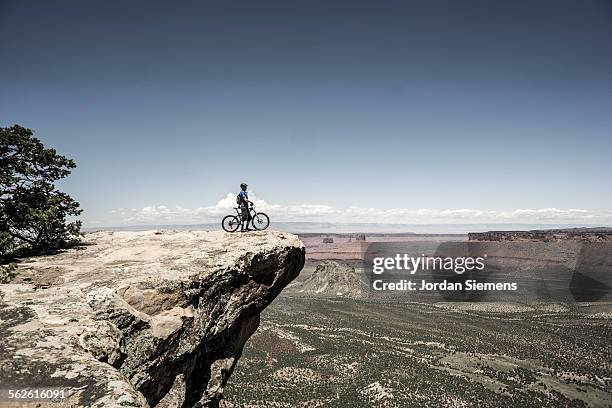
(162, 214)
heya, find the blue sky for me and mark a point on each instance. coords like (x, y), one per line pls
(430, 111)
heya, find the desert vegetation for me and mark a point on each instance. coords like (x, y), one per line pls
(360, 353)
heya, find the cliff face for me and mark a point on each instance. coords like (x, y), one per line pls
(552, 268)
(141, 318)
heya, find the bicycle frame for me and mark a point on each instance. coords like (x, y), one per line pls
(252, 213)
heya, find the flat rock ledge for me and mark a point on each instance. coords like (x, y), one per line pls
(141, 319)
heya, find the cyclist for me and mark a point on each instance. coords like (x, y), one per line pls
(243, 202)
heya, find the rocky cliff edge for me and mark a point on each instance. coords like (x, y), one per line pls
(141, 318)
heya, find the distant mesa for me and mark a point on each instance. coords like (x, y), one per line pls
(563, 264)
(570, 234)
(333, 279)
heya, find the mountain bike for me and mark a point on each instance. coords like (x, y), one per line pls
(259, 220)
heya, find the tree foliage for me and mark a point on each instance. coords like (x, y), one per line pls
(34, 215)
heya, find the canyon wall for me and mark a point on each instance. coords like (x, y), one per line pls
(585, 235)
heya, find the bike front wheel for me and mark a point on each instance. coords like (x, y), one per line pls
(260, 221)
(230, 223)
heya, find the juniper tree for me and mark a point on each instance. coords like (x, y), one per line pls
(34, 215)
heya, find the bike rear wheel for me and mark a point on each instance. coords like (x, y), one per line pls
(230, 223)
(260, 221)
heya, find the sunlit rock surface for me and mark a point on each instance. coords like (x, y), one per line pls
(141, 318)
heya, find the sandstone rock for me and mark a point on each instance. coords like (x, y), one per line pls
(141, 318)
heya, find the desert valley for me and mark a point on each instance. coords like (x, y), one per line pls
(327, 341)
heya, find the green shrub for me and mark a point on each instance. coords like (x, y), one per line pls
(7, 272)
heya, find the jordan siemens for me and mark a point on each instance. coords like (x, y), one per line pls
(425, 285)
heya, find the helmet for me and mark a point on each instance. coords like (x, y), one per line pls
(243, 185)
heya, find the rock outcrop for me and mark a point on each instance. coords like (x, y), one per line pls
(141, 318)
(332, 279)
